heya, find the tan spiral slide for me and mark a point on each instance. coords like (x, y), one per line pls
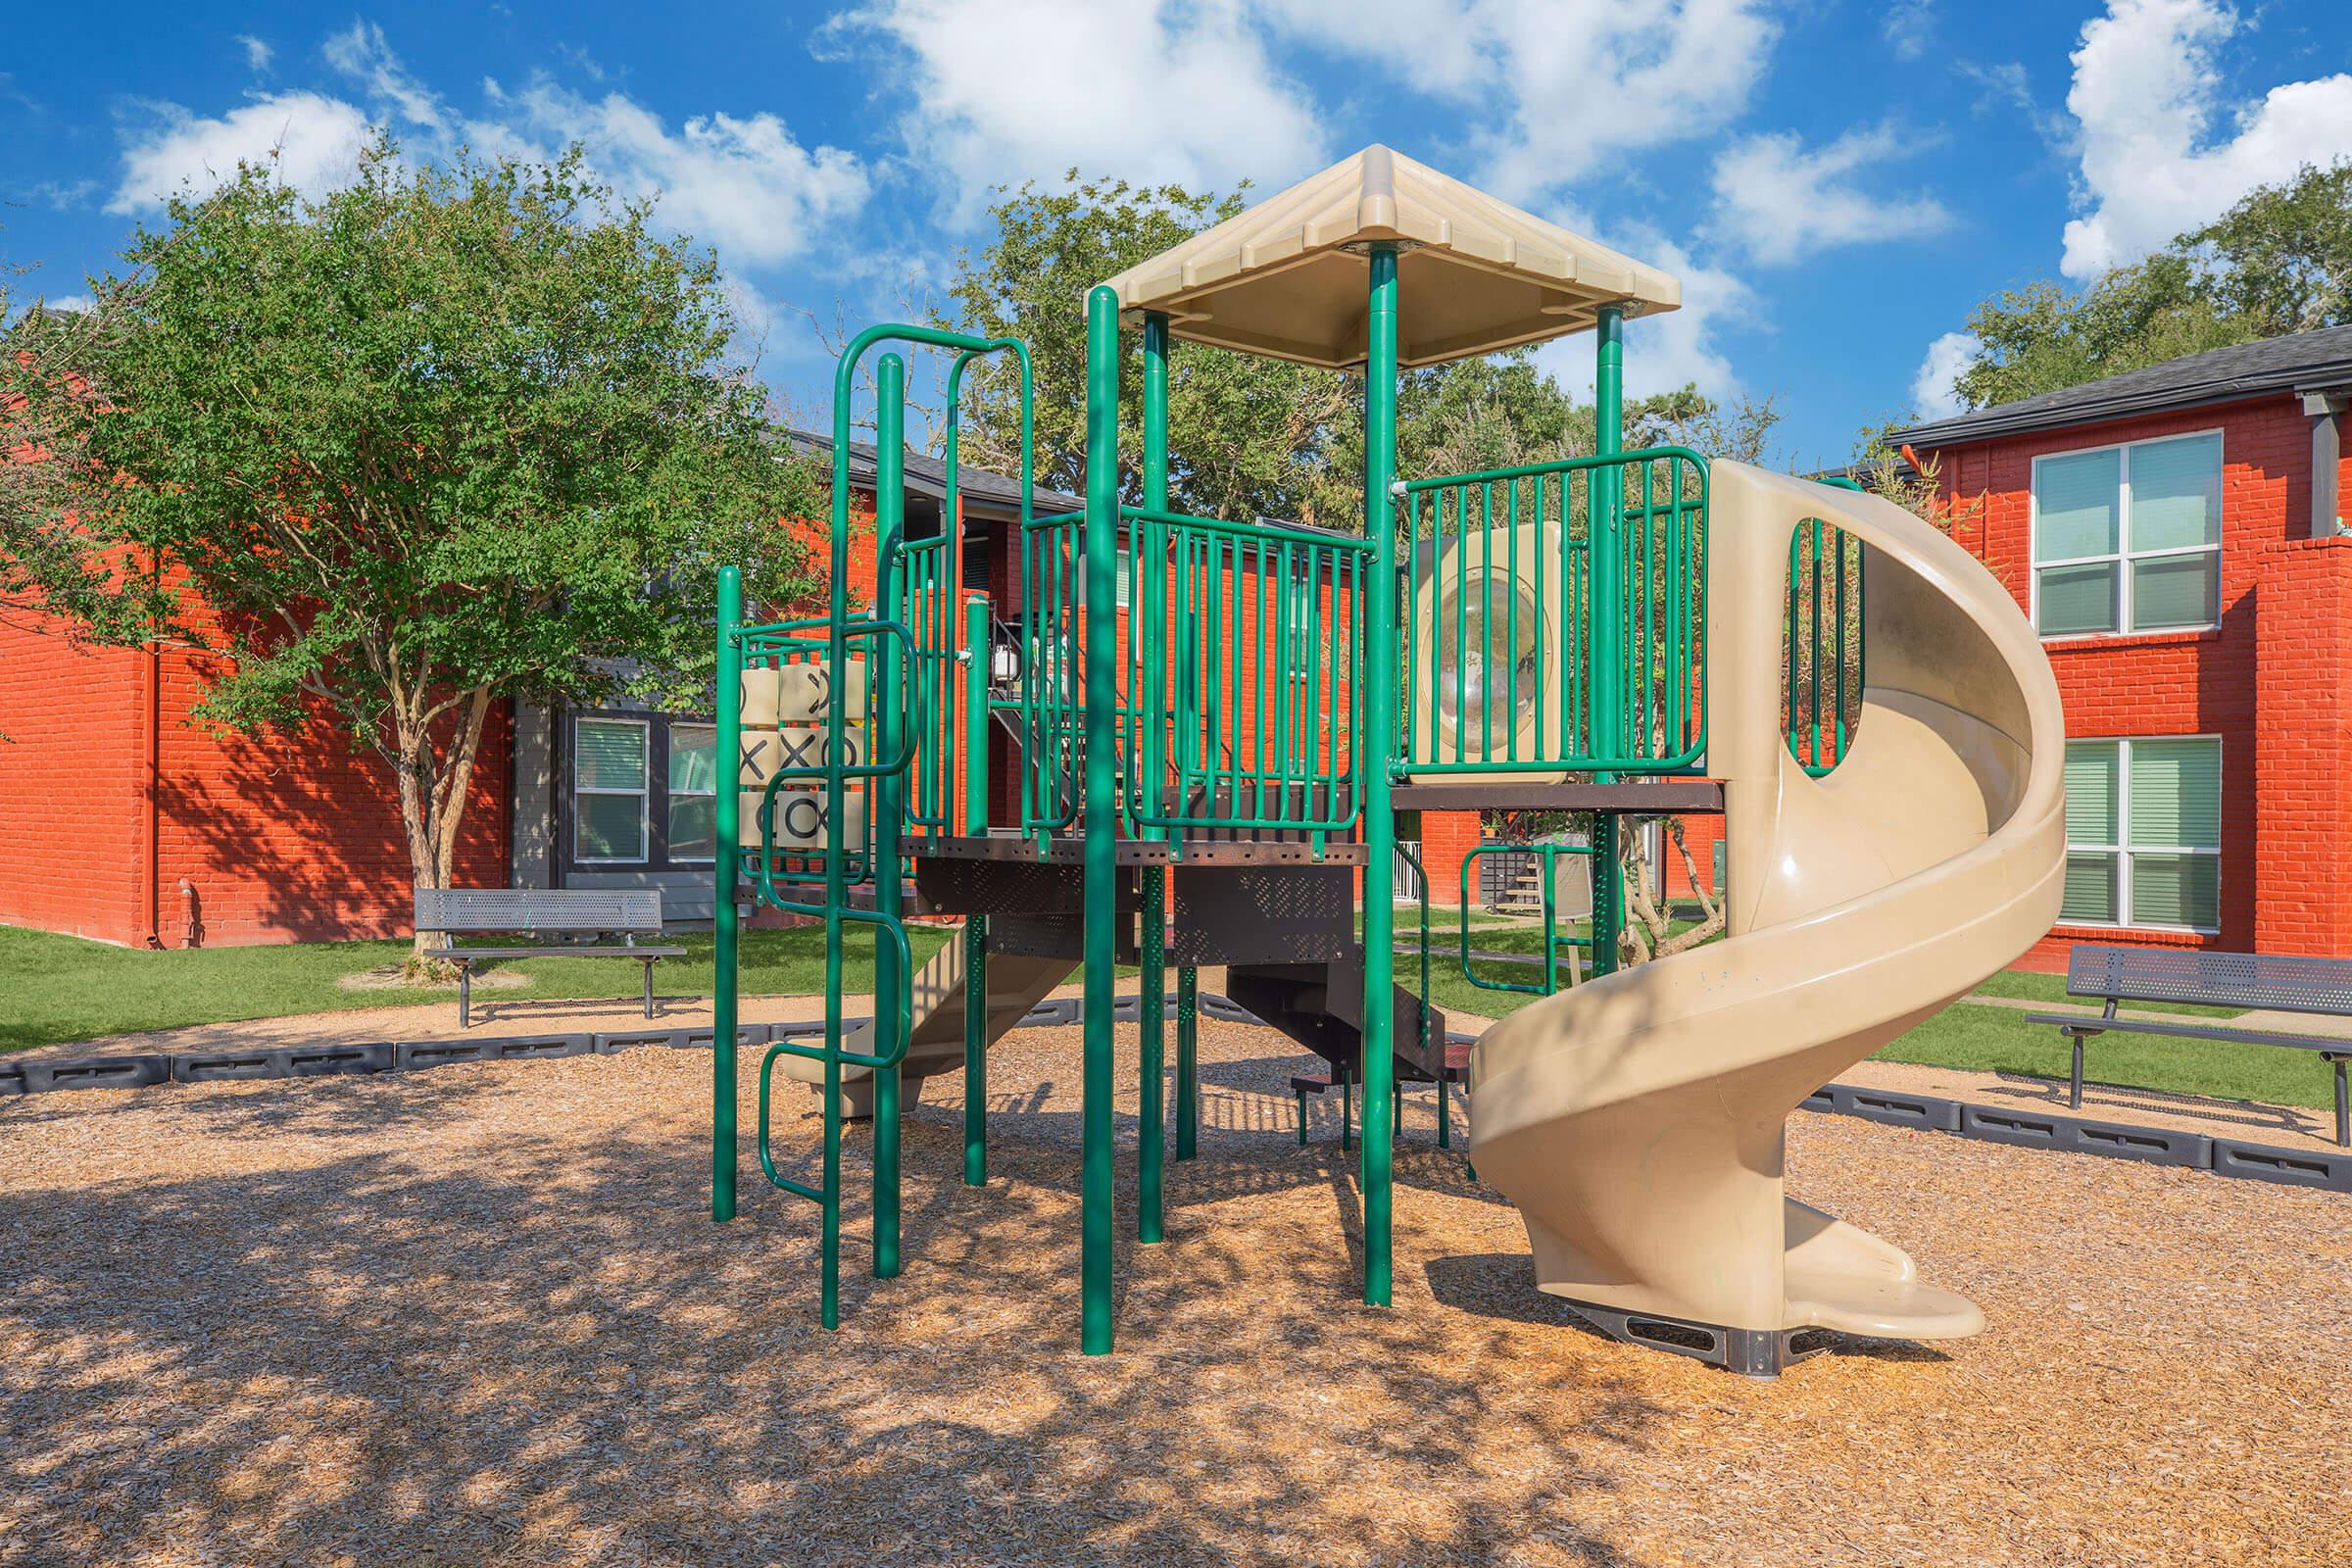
(1638, 1121)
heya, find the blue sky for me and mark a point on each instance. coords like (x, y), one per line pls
(1836, 183)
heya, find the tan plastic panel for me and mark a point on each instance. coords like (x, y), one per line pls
(1638, 1122)
(1288, 278)
(800, 745)
(1505, 558)
(801, 822)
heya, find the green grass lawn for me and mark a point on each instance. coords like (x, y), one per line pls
(55, 989)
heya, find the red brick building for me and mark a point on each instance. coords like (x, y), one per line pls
(2177, 535)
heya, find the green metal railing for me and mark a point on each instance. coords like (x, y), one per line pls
(928, 573)
(1246, 646)
(1051, 697)
(1502, 574)
(1822, 694)
(1549, 857)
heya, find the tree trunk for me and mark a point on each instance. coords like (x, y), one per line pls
(433, 785)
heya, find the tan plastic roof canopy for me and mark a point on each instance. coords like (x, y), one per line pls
(1288, 278)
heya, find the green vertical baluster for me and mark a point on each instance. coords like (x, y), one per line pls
(1607, 597)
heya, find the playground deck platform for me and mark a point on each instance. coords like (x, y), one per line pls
(475, 1314)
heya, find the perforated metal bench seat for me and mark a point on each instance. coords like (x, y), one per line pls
(595, 911)
(2283, 983)
(560, 950)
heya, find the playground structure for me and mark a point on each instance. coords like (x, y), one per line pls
(1210, 772)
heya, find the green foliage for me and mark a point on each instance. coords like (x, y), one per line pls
(2279, 262)
(1244, 433)
(446, 436)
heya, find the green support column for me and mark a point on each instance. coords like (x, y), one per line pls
(722, 898)
(1377, 749)
(975, 927)
(1101, 814)
(1607, 515)
(887, 796)
(1151, 1117)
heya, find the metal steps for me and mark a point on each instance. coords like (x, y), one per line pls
(1320, 1006)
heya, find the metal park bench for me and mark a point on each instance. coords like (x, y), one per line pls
(455, 911)
(2281, 983)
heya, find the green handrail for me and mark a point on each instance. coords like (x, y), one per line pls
(1552, 939)
(1651, 588)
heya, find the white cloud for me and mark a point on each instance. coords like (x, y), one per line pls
(1669, 352)
(362, 54)
(258, 54)
(1557, 88)
(740, 183)
(1784, 203)
(71, 302)
(999, 91)
(1908, 28)
(312, 141)
(1932, 392)
(2148, 96)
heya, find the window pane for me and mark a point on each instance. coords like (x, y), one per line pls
(2176, 591)
(693, 826)
(2077, 598)
(609, 755)
(2176, 889)
(2177, 493)
(2176, 793)
(2090, 774)
(693, 758)
(2091, 887)
(2075, 501)
(1124, 582)
(608, 827)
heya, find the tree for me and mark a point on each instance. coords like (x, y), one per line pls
(1245, 434)
(450, 435)
(2279, 262)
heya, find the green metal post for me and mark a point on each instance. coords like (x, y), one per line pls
(722, 900)
(1607, 511)
(1152, 1120)
(975, 927)
(887, 797)
(1101, 812)
(1378, 748)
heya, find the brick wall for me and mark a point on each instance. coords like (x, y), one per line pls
(2191, 682)
(255, 840)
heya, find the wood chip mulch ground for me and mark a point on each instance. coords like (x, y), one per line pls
(480, 1315)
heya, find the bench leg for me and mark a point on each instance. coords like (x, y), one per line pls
(2343, 1104)
(648, 988)
(464, 995)
(2074, 1090)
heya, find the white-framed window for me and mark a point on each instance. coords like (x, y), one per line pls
(1123, 580)
(1303, 609)
(611, 761)
(693, 805)
(2144, 833)
(2128, 538)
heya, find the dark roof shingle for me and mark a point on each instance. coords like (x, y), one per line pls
(2294, 363)
(927, 475)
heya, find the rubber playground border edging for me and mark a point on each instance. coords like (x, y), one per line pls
(2020, 1128)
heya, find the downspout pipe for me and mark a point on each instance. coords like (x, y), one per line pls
(2325, 408)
